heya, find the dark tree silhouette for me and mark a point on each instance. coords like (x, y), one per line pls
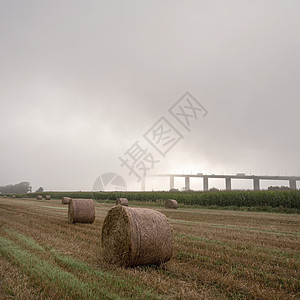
(39, 190)
(19, 188)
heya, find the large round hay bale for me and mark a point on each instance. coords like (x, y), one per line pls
(65, 200)
(81, 211)
(122, 201)
(39, 197)
(47, 197)
(171, 203)
(136, 236)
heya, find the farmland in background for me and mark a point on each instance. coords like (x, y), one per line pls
(218, 254)
(281, 201)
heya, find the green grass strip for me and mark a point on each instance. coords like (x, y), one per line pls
(140, 292)
(52, 275)
(254, 229)
(27, 240)
(54, 207)
(99, 211)
(266, 250)
(197, 238)
(186, 222)
(110, 279)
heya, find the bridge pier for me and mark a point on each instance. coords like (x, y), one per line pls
(171, 182)
(293, 180)
(205, 183)
(228, 183)
(187, 183)
(293, 184)
(256, 184)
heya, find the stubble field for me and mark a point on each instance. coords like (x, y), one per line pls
(217, 254)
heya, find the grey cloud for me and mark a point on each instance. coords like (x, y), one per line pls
(81, 81)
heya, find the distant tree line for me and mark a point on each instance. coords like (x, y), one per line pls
(19, 188)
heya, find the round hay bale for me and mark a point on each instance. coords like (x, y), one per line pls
(39, 197)
(65, 200)
(13, 196)
(122, 201)
(136, 236)
(81, 211)
(47, 197)
(171, 203)
(4, 196)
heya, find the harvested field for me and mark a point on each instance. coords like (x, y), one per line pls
(217, 254)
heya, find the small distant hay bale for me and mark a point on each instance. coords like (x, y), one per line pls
(122, 201)
(171, 203)
(47, 197)
(39, 197)
(136, 236)
(4, 196)
(65, 200)
(81, 211)
(13, 196)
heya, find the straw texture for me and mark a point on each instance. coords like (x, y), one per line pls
(170, 203)
(47, 197)
(39, 197)
(81, 211)
(136, 236)
(122, 201)
(65, 200)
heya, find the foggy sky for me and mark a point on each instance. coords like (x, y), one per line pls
(81, 81)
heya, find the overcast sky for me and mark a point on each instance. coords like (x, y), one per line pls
(82, 81)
